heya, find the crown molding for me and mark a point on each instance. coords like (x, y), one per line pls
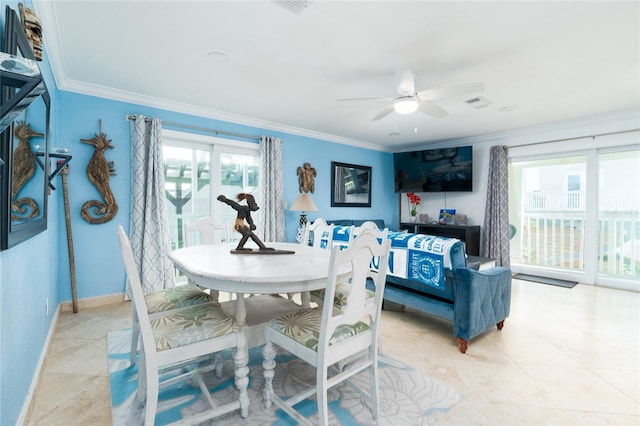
(150, 101)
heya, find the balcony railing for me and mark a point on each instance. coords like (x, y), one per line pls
(552, 232)
(620, 201)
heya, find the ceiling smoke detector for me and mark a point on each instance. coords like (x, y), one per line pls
(477, 103)
(295, 6)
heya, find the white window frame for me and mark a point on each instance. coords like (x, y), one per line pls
(215, 145)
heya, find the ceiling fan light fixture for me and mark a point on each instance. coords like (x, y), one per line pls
(405, 105)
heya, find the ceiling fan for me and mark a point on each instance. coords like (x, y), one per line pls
(409, 100)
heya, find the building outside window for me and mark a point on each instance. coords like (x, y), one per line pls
(199, 168)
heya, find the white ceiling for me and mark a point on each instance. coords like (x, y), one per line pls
(547, 61)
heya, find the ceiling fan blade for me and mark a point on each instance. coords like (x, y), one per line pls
(372, 98)
(453, 90)
(406, 83)
(382, 114)
(432, 109)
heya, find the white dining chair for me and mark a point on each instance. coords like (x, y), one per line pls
(163, 301)
(322, 233)
(322, 337)
(180, 337)
(207, 230)
(342, 289)
(304, 234)
(371, 226)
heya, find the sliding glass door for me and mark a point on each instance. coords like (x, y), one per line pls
(619, 214)
(197, 170)
(577, 215)
(550, 213)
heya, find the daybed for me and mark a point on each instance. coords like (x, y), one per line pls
(430, 274)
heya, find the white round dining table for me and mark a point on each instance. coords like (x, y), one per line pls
(214, 266)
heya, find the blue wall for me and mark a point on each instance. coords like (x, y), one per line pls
(28, 277)
(97, 258)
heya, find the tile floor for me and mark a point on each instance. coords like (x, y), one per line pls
(564, 357)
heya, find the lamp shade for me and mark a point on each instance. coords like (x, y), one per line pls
(304, 203)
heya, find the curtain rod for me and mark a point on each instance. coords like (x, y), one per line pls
(202, 129)
(576, 138)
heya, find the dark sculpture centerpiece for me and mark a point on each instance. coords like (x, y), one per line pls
(245, 226)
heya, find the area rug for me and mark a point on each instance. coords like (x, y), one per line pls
(545, 280)
(406, 396)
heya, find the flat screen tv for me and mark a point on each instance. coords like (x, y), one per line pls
(434, 170)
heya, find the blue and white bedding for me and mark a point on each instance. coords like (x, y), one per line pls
(416, 257)
(341, 236)
(420, 257)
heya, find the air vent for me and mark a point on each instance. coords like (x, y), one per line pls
(295, 6)
(478, 102)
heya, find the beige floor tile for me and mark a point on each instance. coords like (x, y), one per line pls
(564, 357)
(70, 399)
(579, 389)
(64, 354)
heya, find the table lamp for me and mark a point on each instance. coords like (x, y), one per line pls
(304, 203)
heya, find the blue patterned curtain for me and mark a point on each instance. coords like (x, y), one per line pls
(149, 233)
(495, 233)
(271, 213)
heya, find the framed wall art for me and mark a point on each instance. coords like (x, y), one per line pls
(350, 185)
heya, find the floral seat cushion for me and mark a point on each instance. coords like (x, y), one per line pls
(174, 298)
(340, 297)
(191, 325)
(304, 327)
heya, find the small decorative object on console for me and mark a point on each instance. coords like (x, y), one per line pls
(447, 216)
(414, 201)
(461, 219)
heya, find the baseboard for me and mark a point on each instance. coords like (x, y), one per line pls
(28, 400)
(92, 302)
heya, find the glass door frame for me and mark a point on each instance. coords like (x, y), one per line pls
(591, 150)
(215, 146)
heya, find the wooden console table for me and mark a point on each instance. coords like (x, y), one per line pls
(470, 235)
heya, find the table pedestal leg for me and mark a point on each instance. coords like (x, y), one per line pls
(240, 310)
(305, 299)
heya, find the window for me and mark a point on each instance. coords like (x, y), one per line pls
(199, 168)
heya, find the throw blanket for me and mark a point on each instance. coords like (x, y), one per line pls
(341, 235)
(416, 257)
(420, 257)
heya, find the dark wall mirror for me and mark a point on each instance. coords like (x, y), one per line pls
(24, 149)
(350, 185)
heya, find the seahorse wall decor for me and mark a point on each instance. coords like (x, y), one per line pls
(98, 171)
(24, 167)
